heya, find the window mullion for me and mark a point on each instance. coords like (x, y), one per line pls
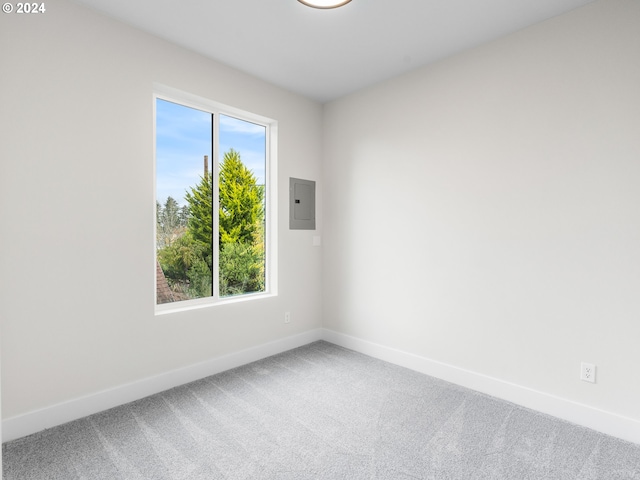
(215, 175)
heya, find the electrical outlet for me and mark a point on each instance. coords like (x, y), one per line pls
(588, 372)
(287, 317)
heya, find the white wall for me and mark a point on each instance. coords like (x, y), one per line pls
(76, 203)
(484, 211)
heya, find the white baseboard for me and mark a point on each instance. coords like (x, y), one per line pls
(38, 420)
(577, 413)
(580, 414)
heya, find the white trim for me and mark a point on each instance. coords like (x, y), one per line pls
(35, 421)
(215, 205)
(271, 212)
(600, 420)
(577, 413)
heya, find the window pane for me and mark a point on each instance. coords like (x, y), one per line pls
(242, 206)
(183, 203)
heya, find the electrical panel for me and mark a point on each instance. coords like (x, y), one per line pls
(302, 204)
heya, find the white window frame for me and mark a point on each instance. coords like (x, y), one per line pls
(170, 94)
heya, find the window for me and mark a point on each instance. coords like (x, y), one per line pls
(213, 195)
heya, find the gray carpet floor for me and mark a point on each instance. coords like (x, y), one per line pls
(320, 412)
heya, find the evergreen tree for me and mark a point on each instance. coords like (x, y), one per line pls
(200, 207)
(188, 261)
(241, 220)
(170, 222)
(241, 201)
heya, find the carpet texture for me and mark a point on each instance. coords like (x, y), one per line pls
(320, 412)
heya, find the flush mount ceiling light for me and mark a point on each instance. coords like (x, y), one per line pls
(324, 3)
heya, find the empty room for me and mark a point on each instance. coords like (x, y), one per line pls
(287, 239)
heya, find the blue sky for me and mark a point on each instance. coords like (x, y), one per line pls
(183, 138)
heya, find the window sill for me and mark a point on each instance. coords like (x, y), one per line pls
(187, 305)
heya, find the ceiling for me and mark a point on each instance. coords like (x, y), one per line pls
(325, 54)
